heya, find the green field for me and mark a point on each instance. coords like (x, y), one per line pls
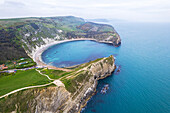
(21, 79)
(54, 74)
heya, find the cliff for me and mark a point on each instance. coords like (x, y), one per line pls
(21, 36)
(80, 85)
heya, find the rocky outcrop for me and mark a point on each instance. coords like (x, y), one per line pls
(60, 99)
(93, 72)
(38, 100)
(51, 99)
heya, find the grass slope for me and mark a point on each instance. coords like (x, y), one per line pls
(26, 33)
(54, 74)
(21, 79)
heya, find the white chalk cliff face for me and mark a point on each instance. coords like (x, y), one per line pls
(46, 42)
(56, 99)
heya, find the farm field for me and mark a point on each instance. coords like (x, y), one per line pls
(21, 79)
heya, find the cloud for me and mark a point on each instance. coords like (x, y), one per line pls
(134, 10)
(13, 4)
(2, 2)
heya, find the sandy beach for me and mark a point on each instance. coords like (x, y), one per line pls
(37, 54)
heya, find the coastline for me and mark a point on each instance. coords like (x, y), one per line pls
(94, 91)
(38, 52)
(37, 58)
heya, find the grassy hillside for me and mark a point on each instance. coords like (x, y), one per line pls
(54, 74)
(21, 79)
(27, 33)
(77, 82)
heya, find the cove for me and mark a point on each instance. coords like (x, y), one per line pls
(143, 84)
(76, 52)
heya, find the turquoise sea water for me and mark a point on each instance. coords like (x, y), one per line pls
(142, 85)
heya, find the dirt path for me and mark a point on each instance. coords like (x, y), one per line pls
(56, 82)
(44, 74)
(24, 89)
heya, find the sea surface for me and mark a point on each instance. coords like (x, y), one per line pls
(143, 83)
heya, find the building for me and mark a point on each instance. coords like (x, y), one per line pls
(23, 63)
(2, 67)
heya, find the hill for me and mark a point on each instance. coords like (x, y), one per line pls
(19, 37)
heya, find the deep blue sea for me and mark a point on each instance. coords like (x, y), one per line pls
(142, 85)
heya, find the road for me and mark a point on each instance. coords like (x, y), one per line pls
(44, 74)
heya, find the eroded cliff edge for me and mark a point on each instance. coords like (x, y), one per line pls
(80, 85)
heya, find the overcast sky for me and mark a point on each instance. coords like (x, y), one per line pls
(132, 10)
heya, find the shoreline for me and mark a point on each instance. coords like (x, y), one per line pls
(38, 60)
(95, 89)
(38, 52)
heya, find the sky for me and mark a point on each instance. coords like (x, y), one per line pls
(130, 10)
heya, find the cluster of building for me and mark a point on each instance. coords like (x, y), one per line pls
(7, 67)
(3, 66)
